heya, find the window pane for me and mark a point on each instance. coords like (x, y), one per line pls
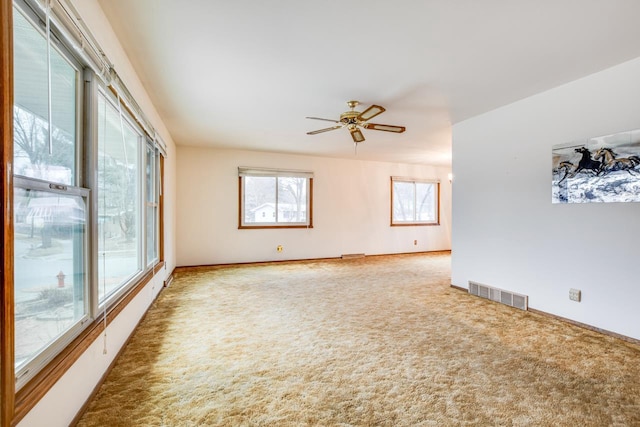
(150, 174)
(259, 199)
(403, 201)
(119, 213)
(49, 244)
(292, 199)
(151, 202)
(151, 234)
(156, 229)
(32, 154)
(426, 201)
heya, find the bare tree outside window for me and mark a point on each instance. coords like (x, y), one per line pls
(50, 208)
(414, 202)
(31, 149)
(277, 200)
(119, 194)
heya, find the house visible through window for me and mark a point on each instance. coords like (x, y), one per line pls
(51, 207)
(414, 201)
(275, 198)
(84, 166)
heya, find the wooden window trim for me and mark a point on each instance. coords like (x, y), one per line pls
(272, 226)
(14, 406)
(413, 224)
(161, 212)
(7, 376)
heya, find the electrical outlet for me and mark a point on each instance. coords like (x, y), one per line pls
(575, 294)
(279, 248)
(415, 242)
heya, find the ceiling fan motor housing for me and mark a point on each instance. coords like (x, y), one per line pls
(349, 117)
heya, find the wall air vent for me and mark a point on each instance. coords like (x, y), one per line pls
(499, 295)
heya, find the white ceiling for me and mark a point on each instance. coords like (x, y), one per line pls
(245, 73)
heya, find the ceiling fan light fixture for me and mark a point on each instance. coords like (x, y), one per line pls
(355, 121)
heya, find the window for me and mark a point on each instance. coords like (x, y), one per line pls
(275, 198)
(40, 152)
(119, 198)
(414, 202)
(50, 208)
(152, 198)
(86, 199)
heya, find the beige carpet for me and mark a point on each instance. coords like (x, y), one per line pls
(379, 341)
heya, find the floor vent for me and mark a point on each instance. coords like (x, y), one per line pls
(352, 256)
(499, 295)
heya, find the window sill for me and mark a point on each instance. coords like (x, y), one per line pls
(250, 227)
(410, 224)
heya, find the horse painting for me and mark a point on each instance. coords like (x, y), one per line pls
(602, 169)
(586, 162)
(611, 162)
(565, 169)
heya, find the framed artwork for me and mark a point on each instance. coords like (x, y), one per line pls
(603, 169)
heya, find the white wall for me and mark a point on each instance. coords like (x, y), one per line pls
(508, 234)
(64, 400)
(351, 209)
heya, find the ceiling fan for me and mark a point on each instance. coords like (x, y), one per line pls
(355, 121)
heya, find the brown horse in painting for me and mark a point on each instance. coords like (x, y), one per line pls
(611, 162)
(566, 169)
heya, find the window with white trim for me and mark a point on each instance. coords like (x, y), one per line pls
(414, 201)
(275, 198)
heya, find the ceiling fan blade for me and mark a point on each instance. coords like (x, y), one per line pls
(370, 113)
(386, 128)
(356, 135)
(326, 120)
(323, 130)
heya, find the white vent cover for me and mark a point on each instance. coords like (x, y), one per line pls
(499, 295)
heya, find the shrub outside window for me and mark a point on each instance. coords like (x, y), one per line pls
(275, 198)
(414, 201)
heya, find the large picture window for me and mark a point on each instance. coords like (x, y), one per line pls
(86, 201)
(119, 195)
(414, 202)
(50, 208)
(275, 198)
